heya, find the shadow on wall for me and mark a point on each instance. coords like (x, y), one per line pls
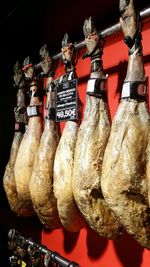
(129, 251)
(70, 240)
(96, 244)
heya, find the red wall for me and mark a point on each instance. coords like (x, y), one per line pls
(86, 247)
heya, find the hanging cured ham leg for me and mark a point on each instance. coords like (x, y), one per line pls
(148, 170)
(69, 214)
(124, 166)
(92, 138)
(30, 142)
(20, 122)
(41, 182)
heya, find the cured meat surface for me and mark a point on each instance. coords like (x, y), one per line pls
(69, 214)
(91, 142)
(41, 182)
(25, 159)
(9, 180)
(124, 181)
(31, 139)
(148, 169)
(123, 173)
(20, 115)
(92, 138)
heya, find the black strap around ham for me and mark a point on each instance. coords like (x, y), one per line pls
(96, 65)
(20, 114)
(50, 113)
(20, 110)
(134, 90)
(39, 93)
(50, 87)
(97, 88)
(20, 127)
(134, 44)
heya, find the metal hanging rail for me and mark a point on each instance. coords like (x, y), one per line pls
(53, 256)
(108, 31)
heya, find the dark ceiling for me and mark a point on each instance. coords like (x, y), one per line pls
(26, 25)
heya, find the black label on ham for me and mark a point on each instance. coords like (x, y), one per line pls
(67, 102)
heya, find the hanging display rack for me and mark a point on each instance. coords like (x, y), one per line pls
(144, 14)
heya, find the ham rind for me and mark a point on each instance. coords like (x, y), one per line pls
(21, 119)
(148, 168)
(68, 211)
(69, 214)
(41, 182)
(28, 149)
(9, 181)
(25, 159)
(123, 180)
(92, 139)
(91, 142)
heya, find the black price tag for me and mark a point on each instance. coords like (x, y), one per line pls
(66, 101)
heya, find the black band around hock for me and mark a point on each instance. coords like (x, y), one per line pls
(20, 110)
(97, 88)
(50, 113)
(20, 114)
(39, 93)
(134, 44)
(20, 127)
(134, 90)
(96, 65)
(50, 87)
